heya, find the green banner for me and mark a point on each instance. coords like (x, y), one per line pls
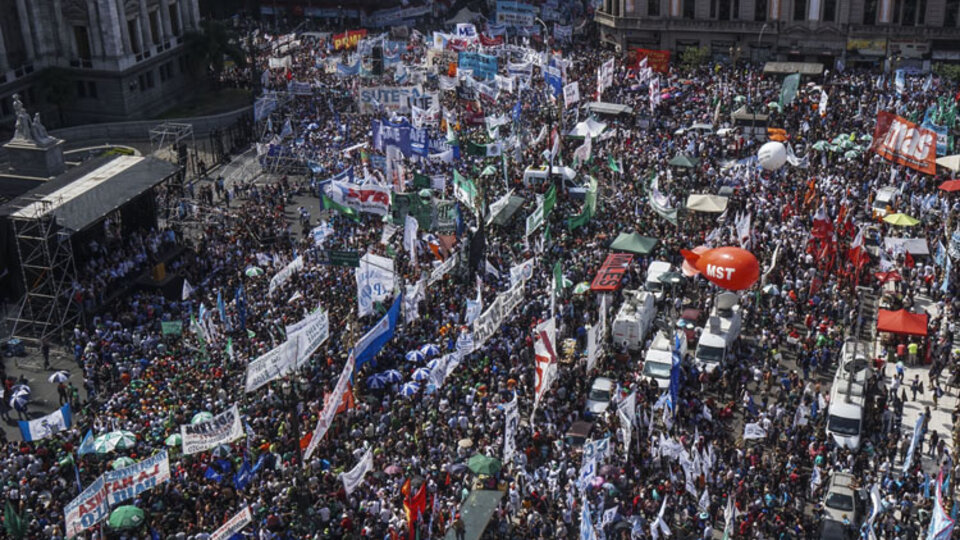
(174, 328)
(788, 92)
(550, 200)
(421, 181)
(336, 257)
(330, 204)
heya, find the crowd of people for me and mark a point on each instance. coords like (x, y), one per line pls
(686, 470)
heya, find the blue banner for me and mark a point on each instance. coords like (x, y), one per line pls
(410, 140)
(553, 77)
(343, 69)
(484, 66)
(943, 136)
(378, 336)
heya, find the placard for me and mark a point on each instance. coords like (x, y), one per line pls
(614, 266)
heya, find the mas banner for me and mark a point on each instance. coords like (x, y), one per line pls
(614, 266)
(221, 429)
(658, 61)
(348, 39)
(903, 142)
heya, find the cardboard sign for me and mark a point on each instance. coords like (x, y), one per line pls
(658, 61)
(614, 266)
(348, 39)
(903, 142)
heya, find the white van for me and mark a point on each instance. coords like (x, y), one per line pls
(659, 359)
(634, 319)
(652, 283)
(711, 351)
(885, 198)
(535, 177)
(845, 416)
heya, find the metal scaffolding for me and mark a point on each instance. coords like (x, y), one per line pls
(48, 271)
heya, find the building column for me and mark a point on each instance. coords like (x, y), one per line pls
(95, 31)
(26, 30)
(165, 20)
(64, 34)
(195, 12)
(180, 17)
(110, 28)
(886, 12)
(122, 27)
(4, 67)
(146, 33)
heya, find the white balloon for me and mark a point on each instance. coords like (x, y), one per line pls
(772, 155)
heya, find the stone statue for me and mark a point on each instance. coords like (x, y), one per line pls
(23, 129)
(40, 135)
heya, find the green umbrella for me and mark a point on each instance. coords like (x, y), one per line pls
(739, 99)
(126, 517)
(108, 442)
(866, 137)
(488, 170)
(851, 154)
(821, 145)
(174, 440)
(581, 287)
(122, 462)
(201, 417)
(253, 271)
(774, 105)
(481, 464)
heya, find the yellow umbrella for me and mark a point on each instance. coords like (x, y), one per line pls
(902, 220)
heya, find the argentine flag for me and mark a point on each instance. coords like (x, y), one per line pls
(43, 427)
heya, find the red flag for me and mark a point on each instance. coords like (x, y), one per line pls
(908, 261)
(305, 441)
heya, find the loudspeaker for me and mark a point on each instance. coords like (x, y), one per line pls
(377, 60)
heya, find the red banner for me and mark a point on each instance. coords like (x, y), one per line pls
(348, 39)
(614, 266)
(658, 61)
(490, 41)
(905, 143)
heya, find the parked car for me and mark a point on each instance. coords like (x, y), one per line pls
(601, 391)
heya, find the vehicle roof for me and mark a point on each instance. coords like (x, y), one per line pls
(659, 356)
(661, 266)
(603, 383)
(580, 429)
(840, 481)
(711, 339)
(841, 408)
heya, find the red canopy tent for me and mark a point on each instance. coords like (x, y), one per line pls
(902, 322)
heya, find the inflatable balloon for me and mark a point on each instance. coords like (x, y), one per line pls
(731, 268)
(688, 269)
(772, 155)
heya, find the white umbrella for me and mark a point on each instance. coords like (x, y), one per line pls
(415, 356)
(59, 377)
(421, 374)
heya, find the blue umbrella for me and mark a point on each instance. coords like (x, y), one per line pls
(415, 356)
(59, 377)
(376, 382)
(421, 374)
(430, 349)
(19, 401)
(409, 389)
(21, 389)
(432, 365)
(391, 376)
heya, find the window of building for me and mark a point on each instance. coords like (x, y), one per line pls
(134, 36)
(150, 79)
(760, 10)
(829, 10)
(950, 17)
(175, 19)
(183, 64)
(909, 12)
(870, 11)
(5, 106)
(799, 10)
(921, 12)
(724, 10)
(92, 89)
(142, 82)
(82, 39)
(81, 89)
(155, 26)
(689, 9)
(653, 8)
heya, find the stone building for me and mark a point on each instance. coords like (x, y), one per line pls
(879, 33)
(121, 59)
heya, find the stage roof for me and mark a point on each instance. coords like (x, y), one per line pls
(82, 195)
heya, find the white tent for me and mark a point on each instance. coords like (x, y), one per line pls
(587, 127)
(464, 16)
(950, 162)
(706, 203)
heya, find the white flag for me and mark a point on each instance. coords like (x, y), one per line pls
(410, 229)
(571, 93)
(754, 431)
(511, 417)
(354, 477)
(187, 290)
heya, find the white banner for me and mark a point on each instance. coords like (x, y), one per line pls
(292, 354)
(375, 281)
(627, 412)
(354, 477)
(391, 98)
(571, 93)
(498, 206)
(754, 431)
(521, 272)
(366, 198)
(505, 84)
(221, 429)
(593, 346)
(492, 319)
(285, 274)
(330, 408)
(511, 417)
(604, 77)
(534, 220)
(443, 269)
(233, 525)
(410, 229)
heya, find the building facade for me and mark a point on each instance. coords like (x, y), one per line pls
(880, 33)
(115, 59)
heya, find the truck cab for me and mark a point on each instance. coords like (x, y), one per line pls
(652, 283)
(658, 360)
(634, 319)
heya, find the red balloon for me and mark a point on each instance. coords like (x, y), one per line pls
(731, 268)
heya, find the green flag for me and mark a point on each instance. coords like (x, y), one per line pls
(546, 231)
(788, 92)
(549, 200)
(488, 170)
(474, 149)
(330, 204)
(613, 164)
(578, 221)
(464, 190)
(560, 282)
(12, 522)
(590, 201)
(421, 181)
(230, 347)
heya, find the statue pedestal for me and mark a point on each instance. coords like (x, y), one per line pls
(30, 159)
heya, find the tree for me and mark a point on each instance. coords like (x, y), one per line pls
(694, 57)
(209, 48)
(947, 71)
(55, 86)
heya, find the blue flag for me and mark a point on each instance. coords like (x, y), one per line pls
(242, 306)
(212, 474)
(222, 308)
(378, 336)
(86, 446)
(675, 375)
(516, 111)
(243, 476)
(45, 426)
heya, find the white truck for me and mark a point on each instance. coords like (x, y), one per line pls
(652, 283)
(719, 334)
(634, 319)
(659, 359)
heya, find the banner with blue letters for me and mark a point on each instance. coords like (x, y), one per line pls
(484, 66)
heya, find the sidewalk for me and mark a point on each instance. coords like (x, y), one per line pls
(940, 421)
